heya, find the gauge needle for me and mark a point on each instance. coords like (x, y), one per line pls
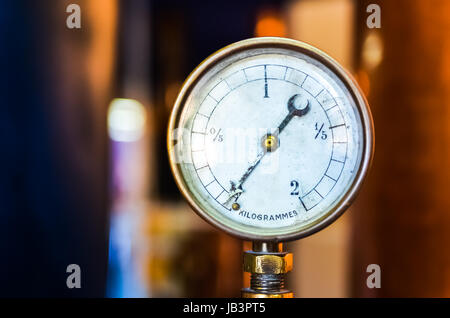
(236, 189)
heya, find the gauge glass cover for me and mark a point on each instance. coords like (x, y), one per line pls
(270, 139)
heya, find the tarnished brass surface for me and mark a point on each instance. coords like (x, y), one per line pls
(268, 266)
(247, 293)
(276, 263)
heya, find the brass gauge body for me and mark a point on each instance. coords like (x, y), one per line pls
(270, 139)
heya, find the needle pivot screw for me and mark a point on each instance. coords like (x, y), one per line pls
(270, 142)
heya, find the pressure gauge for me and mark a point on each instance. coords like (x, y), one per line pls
(270, 139)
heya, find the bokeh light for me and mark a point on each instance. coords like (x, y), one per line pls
(126, 120)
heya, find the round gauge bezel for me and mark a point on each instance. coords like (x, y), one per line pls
(351, 85)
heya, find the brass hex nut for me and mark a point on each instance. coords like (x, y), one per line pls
(274, 263)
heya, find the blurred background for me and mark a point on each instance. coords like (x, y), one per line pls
(84, 172)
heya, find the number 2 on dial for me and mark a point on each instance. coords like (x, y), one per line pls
(294, 185)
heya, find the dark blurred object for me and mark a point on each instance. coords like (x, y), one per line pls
(402, 220)
(54, 90)
(185, 257)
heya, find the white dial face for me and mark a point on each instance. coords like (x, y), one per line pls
(269, 142)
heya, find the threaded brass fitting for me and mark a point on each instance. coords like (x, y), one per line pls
(267, 263)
